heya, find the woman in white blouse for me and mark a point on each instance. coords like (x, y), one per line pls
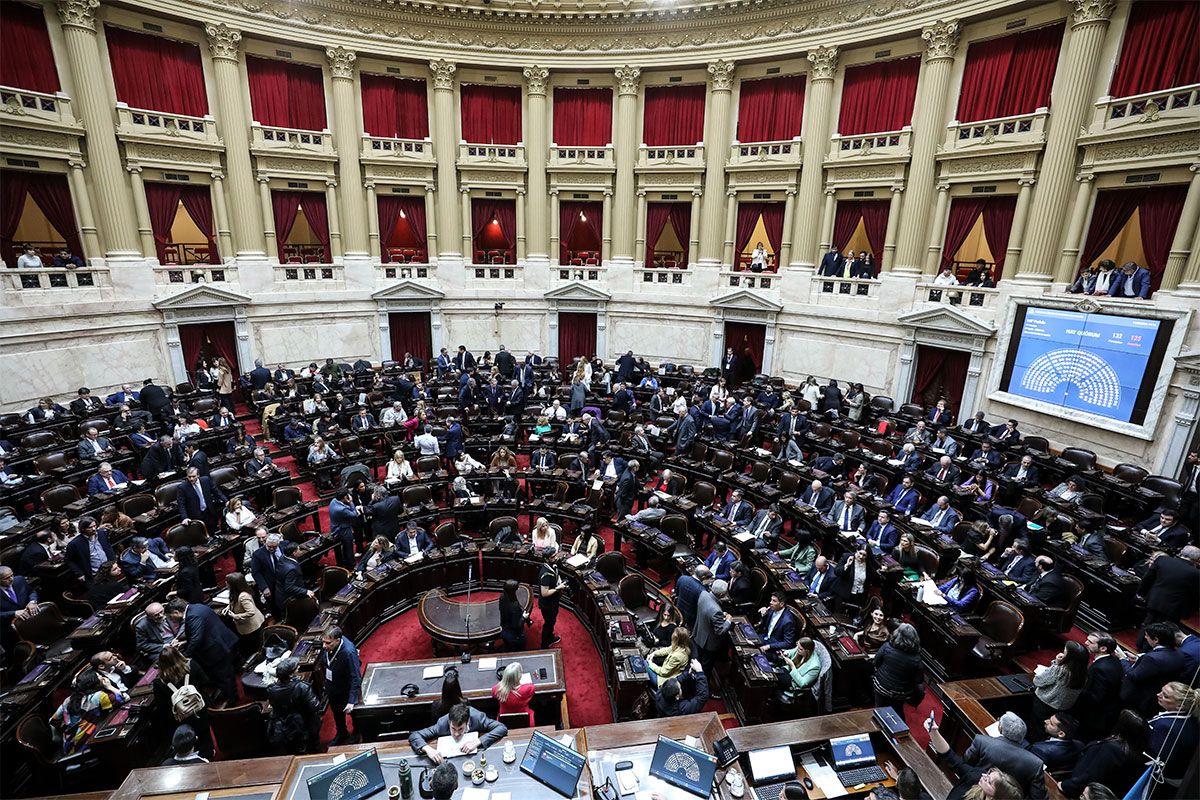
(399, 469)
(758, 259)
(543, 536)
(811, 391)
(719, 392)
(465, 464)
(237, 516)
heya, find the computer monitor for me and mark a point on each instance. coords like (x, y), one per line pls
(852, 751)
(353, 779)
(553, 763)
(771, 764)
(685, 767)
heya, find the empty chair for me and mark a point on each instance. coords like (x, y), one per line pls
(51, 462)
(417, 497)
(1075, 591)
(881, 404)
(299, 611)
(192, 533)
(703, 494)
(331, 582)
(1170, 489)
(499, 524)
(929, 560)
(239, 732)
(75, 605)
(446, 534)
(760, 471)
(632, 590)
(1001, 626)
(427, 465)
(39, 440)
(224, 476)
(722, 460)
(1084, 460)
(675, 526)
(789, 484)
(611, 566)
(1130, 473)
(912, 411)
(292, 533)
(137, 505)
(204, 407)
(56, 498)
(1036, 444)
(515, 720)
(285, 497)
(165, 494)
(1115, 549)
(850, 439)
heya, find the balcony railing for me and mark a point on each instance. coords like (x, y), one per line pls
(738, 279)
(841, 291)
(660, 276)
(181, 274)
(1118, 112)
(690, 155)
(50, 278)
(973, 296)
(314, 274)
(407, 149)
(786, 151)
(186, 253)
(406, 271)
(1017, 128)
(491, 154)
(565, 272)
(39, 105)
(266, 137)
(142, 121)
(493, 272)
(566, 156)
(886, 143)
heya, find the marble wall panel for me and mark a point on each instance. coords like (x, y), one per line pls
(798, 355)
(660, 339)
(301, 341)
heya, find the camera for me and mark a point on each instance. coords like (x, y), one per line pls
(499, 306)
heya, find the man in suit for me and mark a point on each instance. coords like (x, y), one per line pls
(711, 625)
(457, 723)
(985, 457)
(463, 359)
(1146, 674)
(1016, 562)
(195, 457)
(1060, 749)
(834, 466)
(1101, 698)
(943, 441)
(125, 396)
(1006, 435)
(17, 601)
(384, 512)
(943, 471)
(821, 579)
(505, 363)
(882, 535)
(343, 516)
(140, 562)
(1130, 281)
(1025, 472)
(152, 631)
(720, 560)
(289, 579)
(747, 425)
(940, 415)
(36, 552)
(597, 434)
(846, 514)
(977, 424)
(766, 527)
(260, 376)
(1172, 585)
(543, 457)
(283, 374)
(153, 397)
(622, 399)
(343, 679)
(162, 456)
(1006, 753)
(909, 458)
(412, 539)
(684, 428)
(918, 434)
(209, 641)
(737, 510)
(85, 404)
(791, 423)
(903, 498)
(688, 589)
(1048, 584)
(1091, 538)
(201, 499)
(106, 479)
(1165, 529)
(831, 264)
(941, 516)
(818, 496)
(94, 447)
(364, 420)
(729, 365)
(442, 363)
(611, 466)
(625, 495)
(1189, 501)
(1188, 645)
(88, 550)
(264, 564)
(669, 702)
(625, 367)
(778, 625)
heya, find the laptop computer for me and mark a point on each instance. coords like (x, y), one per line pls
(552, 763)
(353, 779)
(771, 764)
(684, 767)
(854, 760)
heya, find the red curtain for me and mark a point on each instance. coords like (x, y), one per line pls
(674, 115)
(502, 235)
(191, 337)
(14, 188)
(197, 202)
(964, 211)
(317, 215)
(394, 107)
(51, 193)
(940, 373)
(1161, 49)
(771, 109)
(875, 219)
(286, 94)
(747, 220)
(1158, 215)
(583, 117)
(1112, 210)
(878, 96)
(222, 342)
(163, 200)
(410, 232)
(1009, 75)
(998, 213)
(410, 333)
(576, 234)
(576, 336)
(681, 222)
(491, 114)
(747, 340)
(656, 222)
(155, 73)
(845, 220)
(26, 59)
(772, 215)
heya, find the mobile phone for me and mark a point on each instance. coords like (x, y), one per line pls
(542, 673)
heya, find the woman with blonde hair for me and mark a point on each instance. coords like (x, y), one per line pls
(398, 468)
(514, 696)
(543, 537)
(1175, 733)
(237, 516)
(675, 658)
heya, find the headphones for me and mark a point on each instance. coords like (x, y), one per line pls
(410, 690)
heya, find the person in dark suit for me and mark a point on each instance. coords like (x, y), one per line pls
(344, 679)
(778, 626)
(1006, 753)
(209, 641)
(903, 498)
(729, 365)
(260, 376)
(411, 540)
(94, 447)
(36, 552)
(543, 458)
(625, 367)
(821, 579)
(17, 601)
(1016, 562)
(1116, 762)
(463, 360)
(791, 423)
(152, 397)
(1060, 749)
(684, 428)
(86, 404)
(1101, 698)
(834, 466)
(1048, 584)
(1006, 435)
(855, 575)
(1172, 585)
(1146, 674)
(342, 518)
(88, 550)
(1165, 529)
(384, 512)
(626, 494)
(818, 496)
(766, 527)
(598, 435)
(505, 363)
(687, 591)
(454, 438)
(1024, 472)
(162, 456)
(831, 264)
(195, 457)
(264, 563)
(846, 513)
(737, 510)
(460, 720)
(106, 479)
(1130, 281)
(883, 535)
(201, 499)
(152, 631)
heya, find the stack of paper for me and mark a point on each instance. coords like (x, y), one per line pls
(449, 747)
(435, 671)
(486, 664)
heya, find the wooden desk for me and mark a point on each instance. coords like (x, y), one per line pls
(635, 741)
(457, 623)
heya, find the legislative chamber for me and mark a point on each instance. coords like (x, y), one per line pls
(631, 400)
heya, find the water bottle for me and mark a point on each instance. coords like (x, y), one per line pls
(406, 781)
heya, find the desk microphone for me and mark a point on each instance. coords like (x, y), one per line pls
(465, 657)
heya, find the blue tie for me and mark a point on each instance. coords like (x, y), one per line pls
(200, 494)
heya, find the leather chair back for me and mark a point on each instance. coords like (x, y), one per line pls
(722, 460)
(882, 404)
(851, 439)
(39, 440)
(929, 560)
(514, 721)
(241, 731)
(192, 533)
(75, 605)
(165, 495)
(138, 504)
(44, 628)
(912, 411)
(501, 522)
(1092, 502)
(789, 484)
(348, 445)
(699, 451)
(1130, 473)
(284, 633)
(224, 476)
(821, 430)
(632, 590)
(299, 612)
(34, 734)
(611, 566)
(1084, 459)
(1003, 623)
(446, 534)
(758, 582)
(285, 497)
(427, 464)
(292, 533)
(1115, 549)
(99, 423)
(417, 496)
(11, 557)
(1074, 593)
(703, 494)
(760, 471)
(1037, 444)
(332, 581)
(56, 498)
(1170, 489)
(204, 407)
(675, 526)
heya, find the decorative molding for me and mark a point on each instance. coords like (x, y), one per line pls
(941, 40)
(223, 41)
(722, 75)
(78, 13)
(317, 169)
(745, 301)
(408, 290)
(202, 296)
(946, 319)
(341, 62)
(401, 173)
(995, 163)
(863, 173)
(628, 79)
(45, 139)
(578, 292)
(764, 176)
(443, 74)
(1132, 151)
(536, 78)
(1086, 11)
(823, 63)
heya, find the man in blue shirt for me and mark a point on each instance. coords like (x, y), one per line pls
(903, 498)
(719, 561)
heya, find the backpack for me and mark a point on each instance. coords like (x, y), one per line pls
(286, 727)
(186, 700)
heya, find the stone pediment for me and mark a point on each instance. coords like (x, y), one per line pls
(745, 300)
(948, 319)
(408, 290)
(578, 291)
(1189, 364)
(202, 296)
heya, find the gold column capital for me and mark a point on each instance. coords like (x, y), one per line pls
(341, 62)
(535, 78)
(78, 13)
(1088, 11)
(941, 39)
(628, 79)
(823, 63)
(223, 41)
(722, 75)
(443, 74)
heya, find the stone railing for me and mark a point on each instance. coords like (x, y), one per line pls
(410, 271)
(1117, 112)
(180, 274)
(971, 296)
(53, 278)
(144, 122)
(569, 272)
(661, 277)
(493, 272)
(266, 137)
(494, 154)
(886, 143)
(305, 275)
(407, 149)
(1005, 130)
(737, 279)
(39, 105)
(690, 155)
(567, 156)
(786, 152)
(842, 291)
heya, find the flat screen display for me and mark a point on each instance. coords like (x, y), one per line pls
(685, 767)
(553, 763)
(353, 779)
(1102, 364)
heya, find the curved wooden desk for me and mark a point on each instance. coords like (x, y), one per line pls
(457, 623)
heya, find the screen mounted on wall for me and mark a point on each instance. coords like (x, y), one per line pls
(1102, 364)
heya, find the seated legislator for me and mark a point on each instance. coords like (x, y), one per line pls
(1024, 472)
(847, 514)
(513, 695)
(778, 626)
(94, 447)
(672, 660)
(802, 555)
(961, 591)
(766, 527)
(412, 539)
(1165, 529)
(719, 561)
(106, 480)
(1047, 583)
(883, 536)
(669, 700)
(1016, 563)
(1130, 281)
(822, 579)
(737, 510)
(903, 498)
(379, 552)
(943, 471)
(943, 443)
(873, 631)
(803, 668)
(817, 496)
(941, 516)
(973, 781)
(461, 720)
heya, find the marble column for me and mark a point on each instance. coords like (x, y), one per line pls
(716, 153)
(937, 230)
(1072, 108)
(941, 43)
(630, 216)
(606, 233)
(431, 229)
(1184, 231)
(1190, 285)
(827, 221)
(93, 107)
(818, 106)
(468, 252)
(536, 152)
(1012, 256)
(217, 193)
(694, 232)
(640, 240)
(347, 138)
(522, 225)
(783, 257)
(1073, 240)
(889, 239)
(555, 228)
(268, 216)
(247, 222)
(374, 244)
(82, 199)
(728, 260)
(335, 230)
(445, 147)
(141, 211)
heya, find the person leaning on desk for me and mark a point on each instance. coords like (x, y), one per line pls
(974, 783)
(461, 720)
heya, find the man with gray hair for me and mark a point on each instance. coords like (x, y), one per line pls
(141, 563)
(711, 626)
(263, 563)
(1007, 752)
(153, 630)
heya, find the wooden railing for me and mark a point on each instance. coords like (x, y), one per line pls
(186, 253)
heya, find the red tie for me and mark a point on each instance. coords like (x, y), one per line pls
(109, 480)
(942, 475)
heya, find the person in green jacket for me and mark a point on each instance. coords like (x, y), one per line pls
(804, 667)
(675, 658)
(802, 554)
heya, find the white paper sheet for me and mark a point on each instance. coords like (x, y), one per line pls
(927, 593)
(526, 678)
(435, 671)
(577, 560)
(449, 748)
(486, 664)
(472, 793)
(823, 777)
